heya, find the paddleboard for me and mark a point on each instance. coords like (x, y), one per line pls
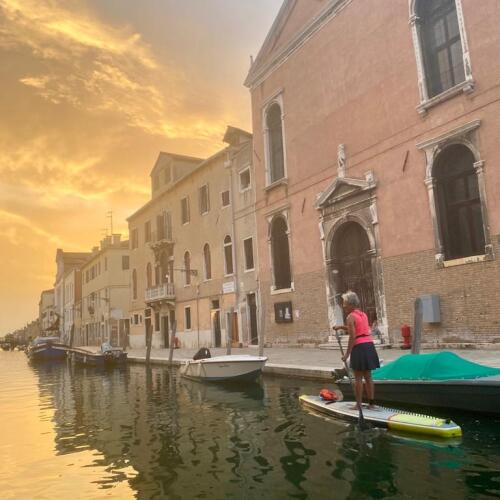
(390, 418)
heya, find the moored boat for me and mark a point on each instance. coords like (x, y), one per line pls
(107, 356)
(227, 368)
(46, 349)
(440, 380)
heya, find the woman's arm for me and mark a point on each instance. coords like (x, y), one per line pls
(352, 335)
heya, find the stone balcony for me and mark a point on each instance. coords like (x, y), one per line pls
(166, 291)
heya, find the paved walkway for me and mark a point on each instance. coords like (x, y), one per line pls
(307, 362)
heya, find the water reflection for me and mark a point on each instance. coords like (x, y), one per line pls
(158, 436)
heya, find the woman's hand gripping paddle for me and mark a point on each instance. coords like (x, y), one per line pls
(361, 418)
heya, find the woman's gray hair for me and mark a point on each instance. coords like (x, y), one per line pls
(351, 298)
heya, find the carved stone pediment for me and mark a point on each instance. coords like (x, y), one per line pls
(343, 188)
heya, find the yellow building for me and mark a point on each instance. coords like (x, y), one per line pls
(191, 250)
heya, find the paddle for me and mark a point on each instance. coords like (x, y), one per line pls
(361, 418)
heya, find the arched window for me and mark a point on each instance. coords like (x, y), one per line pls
(458, 203)
(228, 255)
(275, 143)
(440, 44)
(207, 262)
(134, 284)
(280, 253)
(187, 268)
(149, 276)
(157, 275)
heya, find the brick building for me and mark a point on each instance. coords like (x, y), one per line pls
(376, 130)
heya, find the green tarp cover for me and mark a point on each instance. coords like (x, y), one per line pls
(435, 366)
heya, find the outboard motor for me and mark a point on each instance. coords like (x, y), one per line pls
(203, 353)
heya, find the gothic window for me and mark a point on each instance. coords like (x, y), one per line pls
(441, 44)
(134, 284)
(207, 262)
(275, 143)
(458, 203)
(228, 255)
(280, 254)
(187, 268)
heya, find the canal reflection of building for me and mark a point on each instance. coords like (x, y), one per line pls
(117, 413)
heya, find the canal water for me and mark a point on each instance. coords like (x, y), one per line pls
(71, 433)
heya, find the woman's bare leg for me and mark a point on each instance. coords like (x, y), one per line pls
(370, 387)
(358, 388)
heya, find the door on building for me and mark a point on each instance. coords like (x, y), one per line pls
(353, 262)
(165, 332)
(232, 318)
(215, 313)
(252, 318)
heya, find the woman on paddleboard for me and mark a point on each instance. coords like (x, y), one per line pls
(360, 349)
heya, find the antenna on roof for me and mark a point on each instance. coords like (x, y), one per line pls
(109, 215)
(251, 60)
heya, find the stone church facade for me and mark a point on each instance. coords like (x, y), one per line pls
(376, 151)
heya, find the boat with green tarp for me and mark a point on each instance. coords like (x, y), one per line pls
(441, 380)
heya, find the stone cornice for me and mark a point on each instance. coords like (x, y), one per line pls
(456, 132)
(258, 72)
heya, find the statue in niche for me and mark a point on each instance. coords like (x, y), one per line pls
(341, 161)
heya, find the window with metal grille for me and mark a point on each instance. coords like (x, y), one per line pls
(458, 203)
(441, 45)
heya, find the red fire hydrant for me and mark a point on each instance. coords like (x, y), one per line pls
(406, 334)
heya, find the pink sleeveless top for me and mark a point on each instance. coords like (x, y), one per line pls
(362, 328)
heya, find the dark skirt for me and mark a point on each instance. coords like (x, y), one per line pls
(364, 357)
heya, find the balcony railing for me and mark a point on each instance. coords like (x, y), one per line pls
(160, 292)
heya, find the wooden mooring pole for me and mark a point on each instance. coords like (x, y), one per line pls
(417, 328)
(172, 342)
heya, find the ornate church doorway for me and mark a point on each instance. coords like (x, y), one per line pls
(352, 265)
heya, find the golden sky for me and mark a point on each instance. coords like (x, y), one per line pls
(91, 91)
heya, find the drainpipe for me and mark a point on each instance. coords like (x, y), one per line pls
(234, 246)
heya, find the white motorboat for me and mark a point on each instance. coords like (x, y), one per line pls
(224, 368)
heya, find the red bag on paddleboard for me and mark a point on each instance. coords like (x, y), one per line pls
(327, 395)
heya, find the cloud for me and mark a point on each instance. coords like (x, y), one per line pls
(103, 69)
(12, 226)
